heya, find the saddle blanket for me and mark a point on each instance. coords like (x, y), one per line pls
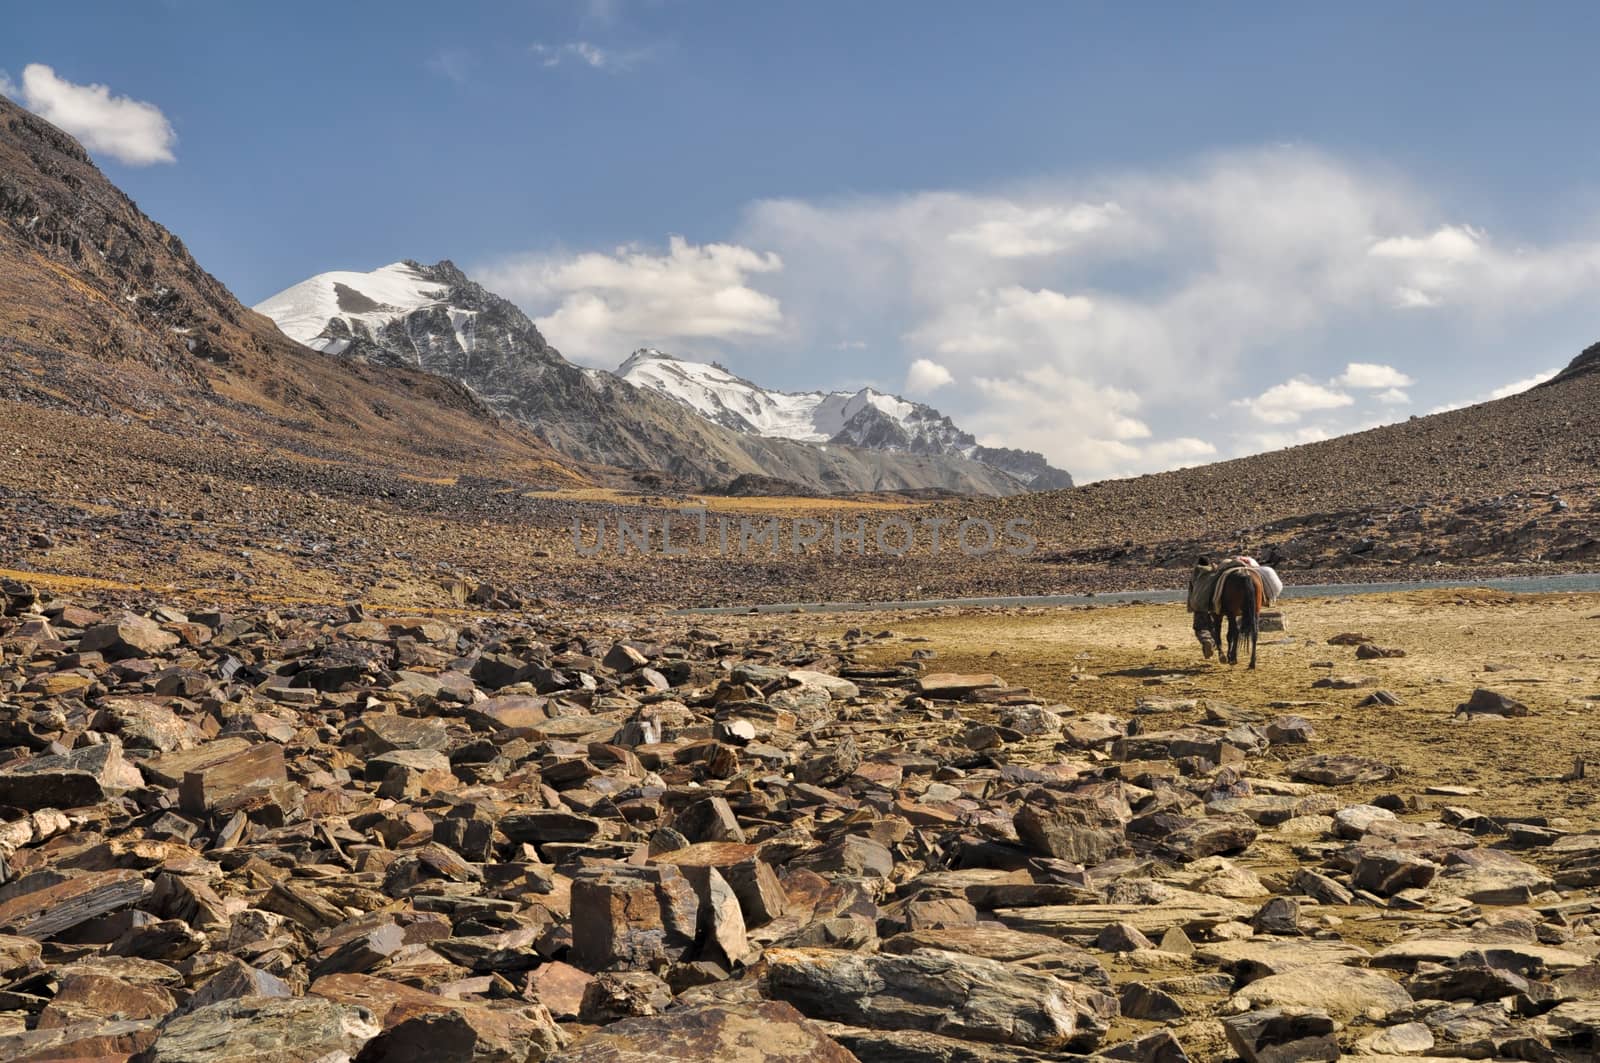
(1205, 589)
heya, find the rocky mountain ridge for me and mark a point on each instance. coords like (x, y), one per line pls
(866, 418)
(436, 319)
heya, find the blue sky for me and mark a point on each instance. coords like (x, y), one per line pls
(1128, 235)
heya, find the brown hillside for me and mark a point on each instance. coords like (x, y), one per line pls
(1542, 441)
(103, 311)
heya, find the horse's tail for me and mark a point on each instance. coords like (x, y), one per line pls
(1252, 612)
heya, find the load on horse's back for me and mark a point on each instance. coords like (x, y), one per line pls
(1237, 588)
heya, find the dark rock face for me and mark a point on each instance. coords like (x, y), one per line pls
(931, 432)
(1587, 362)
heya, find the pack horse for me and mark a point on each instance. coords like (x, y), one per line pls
(1236, 588)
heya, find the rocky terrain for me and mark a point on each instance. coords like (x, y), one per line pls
(323, 741)
(435, 319)
(89, 498)
(313, 833)
(158, 433)
(1433, 488)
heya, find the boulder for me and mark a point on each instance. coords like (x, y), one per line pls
(1282, 1035)
(1491, 703)
(263, 1030)
(83, 776)
(939, 992)
(128, 635)
(765, 1032)
(1341, 991)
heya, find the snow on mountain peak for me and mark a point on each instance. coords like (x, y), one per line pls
(733, 402)
(365, 302)
(867, 418)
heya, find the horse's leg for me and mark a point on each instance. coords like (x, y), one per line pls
(1233, 639)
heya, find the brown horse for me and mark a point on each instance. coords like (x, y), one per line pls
(1241, 600)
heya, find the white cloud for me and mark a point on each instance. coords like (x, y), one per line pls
(926, 376)
(1013, 231)
(128, 130)
(1087, 304)
(1459, 265)
(1159, 283)
(1450, 243)
(588, 54)
(598, 307)
(1517, 387)
(1178, 453)
(1369, 375)
(999, 321)
(1284, 403)
(1108, 437)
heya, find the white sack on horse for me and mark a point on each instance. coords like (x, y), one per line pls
(1271, 584)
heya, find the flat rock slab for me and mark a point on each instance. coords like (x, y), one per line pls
(1405, 955)
(992, 941)
(389, 1002)
(234, 782)
(45, 912)
(386, 732)
(1491, 703)
(1366, 1057)
(938, 992)
(1330, 769)
(129, 635)
(913, 1046)
(1260, 957)
(768, 1032)
(509, 712)
(1341, 991)
(953, 685)
(466, 1031)
(1083, 922)
(1490, 876)
(264, 1030)
(838, 689)
(110, 1041)
(170, 769)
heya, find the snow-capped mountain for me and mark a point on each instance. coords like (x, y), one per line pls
(436, 319)
(867, 418)
(329, 310)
